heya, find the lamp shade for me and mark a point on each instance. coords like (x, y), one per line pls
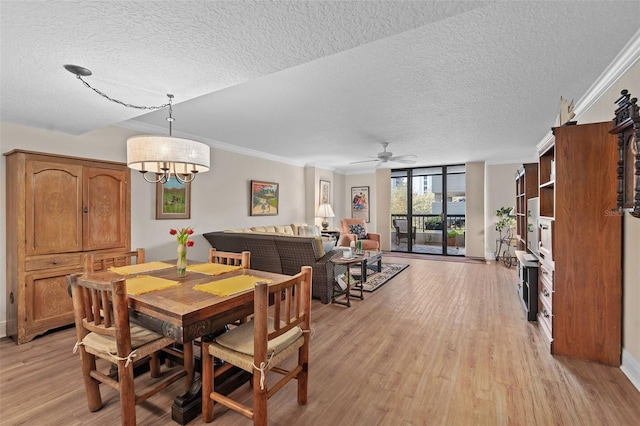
(324, 210)
(157, 154)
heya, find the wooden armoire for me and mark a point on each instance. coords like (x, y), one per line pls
(59, 209)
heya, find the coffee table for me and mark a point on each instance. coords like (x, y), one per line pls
(371, 260)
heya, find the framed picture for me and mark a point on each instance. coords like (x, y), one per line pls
(360, 202)
(264, 198)
(173, 200)
(325, 192)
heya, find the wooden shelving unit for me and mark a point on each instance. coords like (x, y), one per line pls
(526, 188)
(580, 283)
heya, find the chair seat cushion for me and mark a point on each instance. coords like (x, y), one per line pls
(240, 339)
(140, 336)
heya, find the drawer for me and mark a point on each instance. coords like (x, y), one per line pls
(544, 322)
(547, 276)
(545, 244)
(546, 295)
(54, 261)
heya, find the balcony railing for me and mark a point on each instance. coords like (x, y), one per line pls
(424, 222)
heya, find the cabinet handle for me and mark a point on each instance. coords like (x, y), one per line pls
(86, 210)
(54, 262)
(11, 297)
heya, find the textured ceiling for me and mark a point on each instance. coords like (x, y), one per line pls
(319, 82)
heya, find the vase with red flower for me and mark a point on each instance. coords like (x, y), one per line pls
(182, 236)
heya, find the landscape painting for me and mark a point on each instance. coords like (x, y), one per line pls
(173, 199)
(264, 198)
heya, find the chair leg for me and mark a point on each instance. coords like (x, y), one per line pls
(207, 383)
(91, 385)
(154, 365)
(259, 401)
(127, 394)
(303, 376)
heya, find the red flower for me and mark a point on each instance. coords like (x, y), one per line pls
(183, 235)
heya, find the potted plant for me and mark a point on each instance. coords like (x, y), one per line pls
(451, 237)
(505, 220)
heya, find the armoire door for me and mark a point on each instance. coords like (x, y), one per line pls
(53, 207)
(105, 209)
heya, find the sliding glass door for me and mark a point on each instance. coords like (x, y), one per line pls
(428, 210)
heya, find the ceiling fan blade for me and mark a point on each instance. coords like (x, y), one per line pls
(403, 157)
(364, 161)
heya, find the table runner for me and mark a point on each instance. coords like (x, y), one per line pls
(140, 267)
(146, 283)
(232, 285)
(212, 268)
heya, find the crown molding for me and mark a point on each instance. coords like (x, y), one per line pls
(628, 56)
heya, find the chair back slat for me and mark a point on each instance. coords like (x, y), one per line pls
(291, 305)
(95, 306)
(106, 308)
(229, 258)
(102, 307)
(95, 262)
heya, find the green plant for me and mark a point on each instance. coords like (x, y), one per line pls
(505, 220)
(452, 233)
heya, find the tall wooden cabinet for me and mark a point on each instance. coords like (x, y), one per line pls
(526, 188)
(580, 281)
(58, 210)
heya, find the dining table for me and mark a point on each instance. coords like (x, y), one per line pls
(199, 304)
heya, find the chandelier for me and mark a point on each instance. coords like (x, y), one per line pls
(165, 156)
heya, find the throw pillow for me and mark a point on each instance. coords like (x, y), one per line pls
(359, 231)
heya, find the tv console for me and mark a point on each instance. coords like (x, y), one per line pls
(528, 283)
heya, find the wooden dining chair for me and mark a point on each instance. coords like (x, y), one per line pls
(229, 258)
(103, 330)
(95, 262)
(260, 345)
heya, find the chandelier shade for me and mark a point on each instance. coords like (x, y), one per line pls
(167, 155)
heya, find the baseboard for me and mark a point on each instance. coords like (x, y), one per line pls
(3, 328)
(631, 368)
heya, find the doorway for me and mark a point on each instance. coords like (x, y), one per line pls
(428, 210)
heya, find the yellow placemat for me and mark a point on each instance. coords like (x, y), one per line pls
(146, 283)
(232, 285)
(141, 267)
(212, 268)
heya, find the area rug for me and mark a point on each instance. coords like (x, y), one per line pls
(376, 279)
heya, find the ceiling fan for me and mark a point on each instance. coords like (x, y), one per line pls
(386, 156)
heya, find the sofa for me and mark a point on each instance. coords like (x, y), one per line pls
(281, 249)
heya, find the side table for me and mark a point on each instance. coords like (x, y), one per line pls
(344, 264)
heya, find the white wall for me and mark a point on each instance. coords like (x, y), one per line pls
(220, 197)
(500, 191)
(475, 213)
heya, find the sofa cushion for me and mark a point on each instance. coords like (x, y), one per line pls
(359, 231)
(309, 230)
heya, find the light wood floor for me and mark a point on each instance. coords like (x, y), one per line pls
(443, 343)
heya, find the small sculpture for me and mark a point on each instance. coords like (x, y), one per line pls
(566, 111)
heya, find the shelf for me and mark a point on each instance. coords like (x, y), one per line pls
(549, 184)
